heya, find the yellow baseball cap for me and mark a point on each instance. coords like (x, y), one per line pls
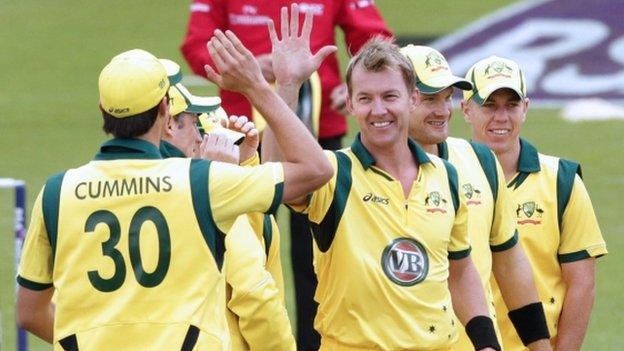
(491, 74)
(132, 82)
(433, 73)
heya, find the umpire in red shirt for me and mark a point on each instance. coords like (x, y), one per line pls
(359, 20)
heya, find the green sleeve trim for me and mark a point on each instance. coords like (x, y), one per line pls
(199, 172)
(565, 182)
(29, 284)
(458, 255)
(277, 198)
(488, 164)
(573, 256)
(50, 207)
(325, 231)
(507, 244)
(267, 233)
(452, 177)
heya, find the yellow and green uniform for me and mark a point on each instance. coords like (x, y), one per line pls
(556, 225)
(133, 246)
(256, 315)
(382, 259)
(491, 224)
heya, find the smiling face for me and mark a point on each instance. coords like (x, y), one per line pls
(381, 103)
(498, 122)
(429, 123)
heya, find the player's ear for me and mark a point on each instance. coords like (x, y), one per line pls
(466, 110)
(414, 100)
(349, 104)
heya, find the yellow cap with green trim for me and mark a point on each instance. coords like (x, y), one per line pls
(491, 74)
(131, 83)
(433, 73)
(177, 102)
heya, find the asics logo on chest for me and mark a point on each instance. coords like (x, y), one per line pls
(370, 197)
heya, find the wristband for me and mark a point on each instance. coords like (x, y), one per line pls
(480, 330)
(530, 322)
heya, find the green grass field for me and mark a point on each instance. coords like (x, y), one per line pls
(52, 55)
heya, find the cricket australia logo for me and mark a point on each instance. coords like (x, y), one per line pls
(472, 194)
(405, 262)
(498, 69)
(529, 213)
(435, 202)
(435, 62)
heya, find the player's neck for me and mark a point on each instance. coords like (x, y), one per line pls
(508, 159)
(429, 148)
(398, 162)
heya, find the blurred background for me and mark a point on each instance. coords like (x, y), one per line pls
(53, 51)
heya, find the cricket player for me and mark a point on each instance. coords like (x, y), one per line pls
(554, 215)
(392, 245)
(256, 314)
(130, 243)
(491, 225)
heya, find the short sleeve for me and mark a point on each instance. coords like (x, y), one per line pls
(36, 265)
(503, 235)
(321, 199)
(236, 190)
(580, 234)
(459, 244)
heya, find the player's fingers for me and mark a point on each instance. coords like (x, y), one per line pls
(240, 122)
(307, 25)
(272, 32)
(294, 20)
(247, 127)
(212, 75)
(323, 53)
(217, 52)
(284, 22)
(228, 47)
(253, 133)
(238, 45)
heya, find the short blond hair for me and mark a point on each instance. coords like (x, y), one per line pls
(378, 54)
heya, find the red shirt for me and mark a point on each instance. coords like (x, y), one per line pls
(359, 19)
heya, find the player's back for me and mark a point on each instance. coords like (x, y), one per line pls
(132, 268)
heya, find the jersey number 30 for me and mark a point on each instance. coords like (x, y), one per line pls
(109, 248)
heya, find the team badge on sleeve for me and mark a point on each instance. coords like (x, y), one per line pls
(405, 262)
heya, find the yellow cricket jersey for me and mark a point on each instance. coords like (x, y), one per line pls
(382, 259)
(133, 246)
(256, 315)
(557, 225)
(491, 224)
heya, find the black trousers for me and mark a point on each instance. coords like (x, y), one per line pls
(305, 280)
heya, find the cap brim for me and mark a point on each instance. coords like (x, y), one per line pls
(199, 104)
(174, 72)
(438, 84)
(482, 95)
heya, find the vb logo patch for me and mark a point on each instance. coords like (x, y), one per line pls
(405, 262)
(529, 213)
(435, 202)
(472, 194)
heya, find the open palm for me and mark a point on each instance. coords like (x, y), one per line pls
(293, 62)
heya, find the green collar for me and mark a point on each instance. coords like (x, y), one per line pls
(168, 150)
(119, 149)
(367, 160)
(528, 162)
(443, 152)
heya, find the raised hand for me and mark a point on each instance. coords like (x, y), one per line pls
(293, 62)
(237, 69)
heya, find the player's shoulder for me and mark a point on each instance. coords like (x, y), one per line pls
(457, 143)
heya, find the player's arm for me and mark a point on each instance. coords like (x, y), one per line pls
(305, 167)
(205, 17)
(581, 243)
(35, 312)
(579, 277)
(512, 268)
(255, 298)
(469, 304)
(293, 63)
